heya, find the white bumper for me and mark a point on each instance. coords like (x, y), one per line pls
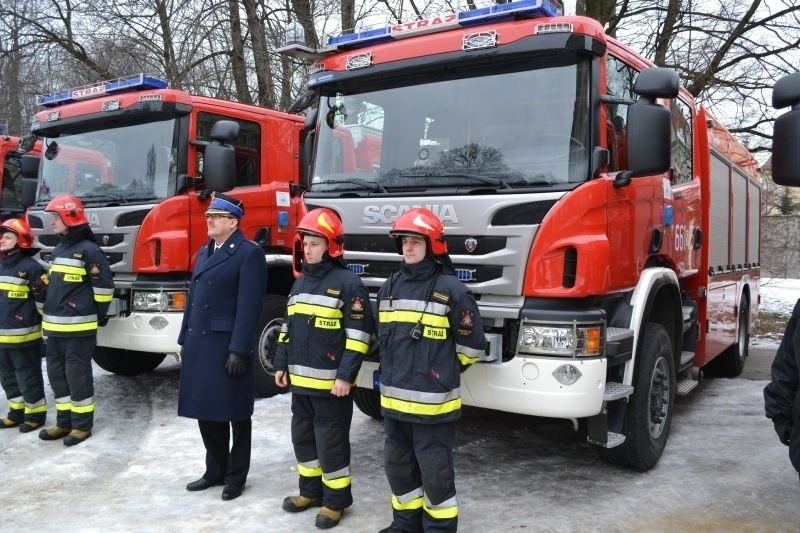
(526, 385)
(136, 332)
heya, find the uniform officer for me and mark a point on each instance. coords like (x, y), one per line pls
(80, 290)
(22, 280)
(217, 384)
(324, 337)
(430, 331)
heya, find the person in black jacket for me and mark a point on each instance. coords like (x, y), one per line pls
(77, 297)
(325, 334)
(430, 331)
(22, 280)
(782, 394)
(217, 386)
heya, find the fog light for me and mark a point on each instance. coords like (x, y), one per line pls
(567, 374)
(158, 322)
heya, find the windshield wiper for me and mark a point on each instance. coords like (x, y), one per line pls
(364, 184)
(104, 197)
(497, 182)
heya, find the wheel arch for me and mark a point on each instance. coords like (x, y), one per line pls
(657, 299)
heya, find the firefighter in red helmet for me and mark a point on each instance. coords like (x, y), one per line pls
(325, 335)
(80, 290)
(430, 332)
(23, 282)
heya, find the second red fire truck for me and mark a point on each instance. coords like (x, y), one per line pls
(607, 224)
(132, 150)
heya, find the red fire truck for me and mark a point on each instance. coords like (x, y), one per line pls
(606, 223)
(133, 151)
(11, 151)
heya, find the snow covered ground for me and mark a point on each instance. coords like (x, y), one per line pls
(723, 469)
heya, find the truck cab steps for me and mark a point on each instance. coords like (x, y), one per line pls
(617, 391)
(612, 440)
(686, 385)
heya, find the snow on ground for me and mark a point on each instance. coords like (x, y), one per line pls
(723, 468)
(779, 295)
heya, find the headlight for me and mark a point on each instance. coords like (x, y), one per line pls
(158, 301)
(571, 340)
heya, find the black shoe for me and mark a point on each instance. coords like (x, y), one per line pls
(231, 492)
(29, 426)
(202, 484)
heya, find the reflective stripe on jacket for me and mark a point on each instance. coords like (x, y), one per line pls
(429, 333)
(327, 328)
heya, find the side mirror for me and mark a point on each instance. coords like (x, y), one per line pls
(219, 159)
(649, 136)
(29, 166)
(786, 132)
(307, 140)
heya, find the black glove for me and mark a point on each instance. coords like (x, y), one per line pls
(236, 365)
(102, 321)
(784, 432)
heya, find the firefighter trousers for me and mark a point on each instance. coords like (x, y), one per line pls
(69, 368)
(225, 461)
(419, 466)
(21, 378)
(321, 439)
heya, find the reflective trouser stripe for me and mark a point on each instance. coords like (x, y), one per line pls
(337, 480)
(16, 403)
(408, 504)
(442, 511)
(309, 469)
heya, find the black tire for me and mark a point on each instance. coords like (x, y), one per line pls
(265, 344)
(730, 363)
(368, 401)
(126, 362)
(648, 416)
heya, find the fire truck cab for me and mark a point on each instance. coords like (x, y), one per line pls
(132, 150)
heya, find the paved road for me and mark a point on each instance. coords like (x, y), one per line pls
(723, 470)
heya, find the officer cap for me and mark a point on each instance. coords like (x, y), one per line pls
(222, 204)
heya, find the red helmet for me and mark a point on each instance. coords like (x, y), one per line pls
(21, 229)
(324, 223)
(69, 208)
(421, 222)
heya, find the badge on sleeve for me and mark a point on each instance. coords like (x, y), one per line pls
(357, 308)
(466, 320)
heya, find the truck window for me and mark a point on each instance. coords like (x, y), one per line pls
(681, 142)
(248, 163)
(619, 83)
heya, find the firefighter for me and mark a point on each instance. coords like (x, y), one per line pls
(430, 331)
(78, 295)
(22, 280)
(217, 386)
(325, 334)
(781, 395)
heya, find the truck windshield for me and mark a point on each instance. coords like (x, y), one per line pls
(135, 162)
(526, 128)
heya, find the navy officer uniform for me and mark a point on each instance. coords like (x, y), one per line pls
(217, 385)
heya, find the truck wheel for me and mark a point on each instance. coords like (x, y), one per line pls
(730, 363)
(265, 345)
(649, 412)
(368, 401)
(126, 362)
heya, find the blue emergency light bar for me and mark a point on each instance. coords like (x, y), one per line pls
(518, 9)
(138, 82)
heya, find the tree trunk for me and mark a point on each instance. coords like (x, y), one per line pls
(238, 66)
(258, 42)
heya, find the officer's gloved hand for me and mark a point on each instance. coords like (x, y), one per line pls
(236, 365)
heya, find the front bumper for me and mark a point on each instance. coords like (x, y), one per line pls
(526, 385)
(138, 331)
